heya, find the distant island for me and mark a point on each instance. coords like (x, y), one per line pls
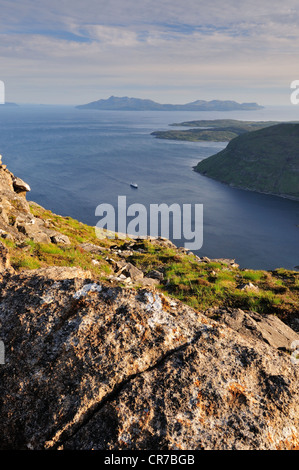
(265, 160)
(136, 104)
(7, 103)
(218, 130)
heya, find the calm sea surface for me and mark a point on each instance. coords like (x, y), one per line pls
(75, 160)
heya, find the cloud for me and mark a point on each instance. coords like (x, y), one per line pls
(147, 45)
(112, 36)
(166, 13)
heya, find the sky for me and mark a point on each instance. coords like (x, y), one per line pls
(170, 51)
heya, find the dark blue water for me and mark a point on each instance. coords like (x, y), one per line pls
(75, 160)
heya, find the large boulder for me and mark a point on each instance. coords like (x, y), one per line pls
(90, 366)
(20, 186)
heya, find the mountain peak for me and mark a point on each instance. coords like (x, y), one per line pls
(126, 103)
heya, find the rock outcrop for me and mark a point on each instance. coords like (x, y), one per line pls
(16, 220)
(93, 365)
(89, 366)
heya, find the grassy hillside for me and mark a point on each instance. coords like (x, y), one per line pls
(225, 123)
(265, 160)
(218, 130)
(200, 283)
(197, 135)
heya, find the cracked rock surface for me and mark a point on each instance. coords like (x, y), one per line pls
(90, 366)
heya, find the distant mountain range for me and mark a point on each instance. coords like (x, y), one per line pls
(136, 104)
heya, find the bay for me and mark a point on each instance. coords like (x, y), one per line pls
(75, 160)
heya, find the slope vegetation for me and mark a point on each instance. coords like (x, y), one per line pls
(265, 160)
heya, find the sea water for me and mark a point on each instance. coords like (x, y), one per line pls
(76, 159)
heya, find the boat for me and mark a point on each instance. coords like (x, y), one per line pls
(134, 185)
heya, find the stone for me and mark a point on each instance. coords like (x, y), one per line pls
(162, 241)
(91, 248)
(91, 366)
(125, 253)
(229, 262)
(20, 186)
(16, 219)
(32, 228)
(4, 258)
(154, 274)
(60, 239)
(5, 235)
(267, 328)
(247, 286)
(131, 271)
(148, 281)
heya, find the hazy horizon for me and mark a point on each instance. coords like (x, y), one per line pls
(123, 96)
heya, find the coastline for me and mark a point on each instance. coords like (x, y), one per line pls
(284, 196)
